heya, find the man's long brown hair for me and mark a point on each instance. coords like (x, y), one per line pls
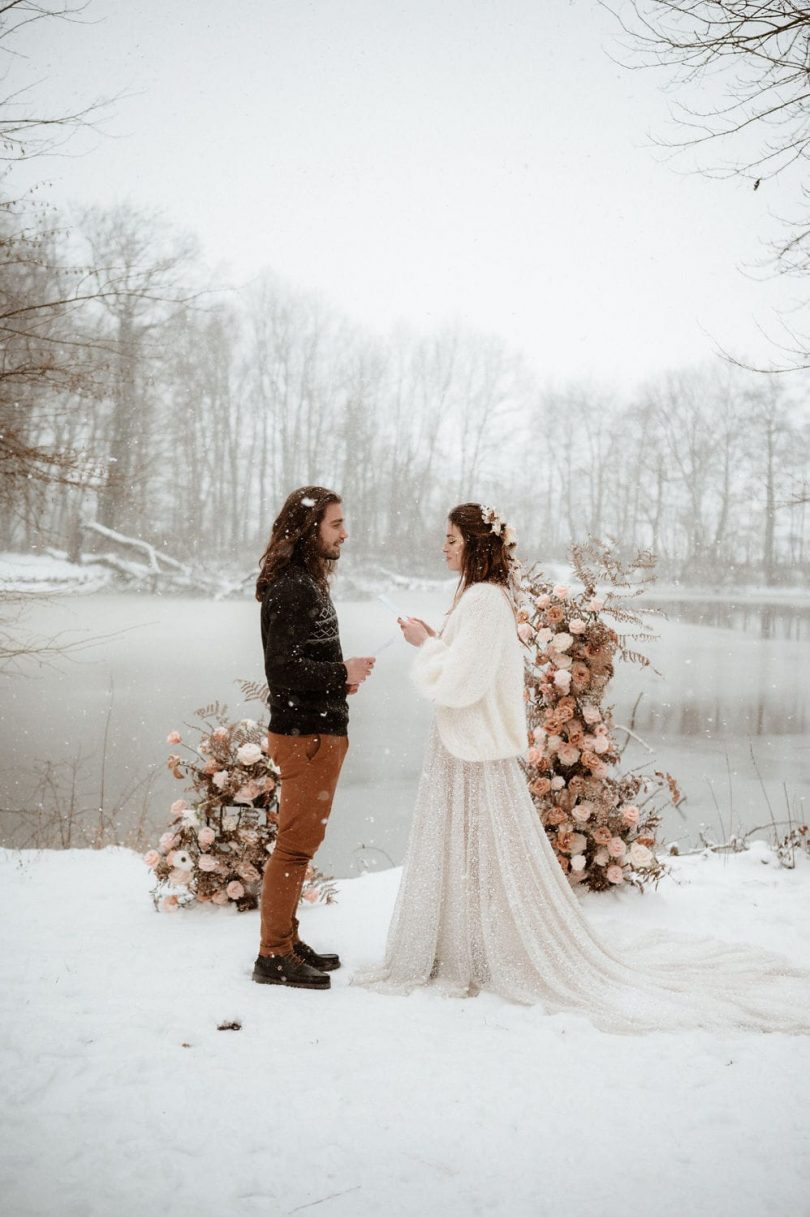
(294, 537)
(485, 558)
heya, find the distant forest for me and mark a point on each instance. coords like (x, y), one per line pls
(139, 392)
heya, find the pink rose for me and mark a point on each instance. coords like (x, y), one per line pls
(596, 605)
(557, 782)
(591, 713)
(601, 857)
(207, 863)
(168, 841)
(206, 837)
(616, 847)
(151, 858)
(220, 778)
(562, 680)
(169, 904)
(249, 754)
(534, 755)
(234, 890)
(310, 895)
(578, 862)
(247, 793)
(640, 855)
(525, 632)
(210, 767)
(543, 601)
(601, 743)
(576, 626)
(559, 643)
(174, 737)
(178, 877)
(615, 874)
(582, 812)
(178, 807)
(568, 754)
(561, 591)
(630, 814)
(219, 898)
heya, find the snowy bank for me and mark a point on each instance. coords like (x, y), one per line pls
(121, 1096)
(27, 573)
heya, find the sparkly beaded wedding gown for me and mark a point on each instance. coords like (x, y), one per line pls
(483, 902)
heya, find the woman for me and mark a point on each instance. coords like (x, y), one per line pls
(483, 902)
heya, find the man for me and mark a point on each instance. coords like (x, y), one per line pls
(309, 682)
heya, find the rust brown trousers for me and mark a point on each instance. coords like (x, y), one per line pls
(310, 767)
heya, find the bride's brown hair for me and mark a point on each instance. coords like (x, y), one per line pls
(295, 536)
(485, 558)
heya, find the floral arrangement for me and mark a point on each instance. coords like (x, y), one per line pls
(215, 848)
(499, 526)
(602, 827)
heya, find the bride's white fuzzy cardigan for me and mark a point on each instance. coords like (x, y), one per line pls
(474, 674)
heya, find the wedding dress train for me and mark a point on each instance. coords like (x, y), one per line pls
(483, 904)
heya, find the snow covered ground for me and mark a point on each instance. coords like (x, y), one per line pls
(122, 1099)
(44, 573)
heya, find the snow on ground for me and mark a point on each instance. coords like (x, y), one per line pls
(51, 572)
(122, 1098)
(28, 573)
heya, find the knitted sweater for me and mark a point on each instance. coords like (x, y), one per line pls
(474, 673)
(303, 660)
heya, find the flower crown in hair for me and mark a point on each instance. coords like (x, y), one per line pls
(498, 525)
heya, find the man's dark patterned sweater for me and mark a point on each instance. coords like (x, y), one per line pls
(303, 661)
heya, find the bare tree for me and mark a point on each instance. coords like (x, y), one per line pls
(44, 359)
(759, 54)
(140, 271)
(743, 65)
(26, 131)
(773, 439)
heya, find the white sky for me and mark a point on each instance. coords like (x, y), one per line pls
(481, 161)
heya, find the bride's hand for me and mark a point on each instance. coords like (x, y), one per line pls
(429, 628)
(414, 631)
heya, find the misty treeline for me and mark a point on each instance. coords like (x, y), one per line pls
(139, 392)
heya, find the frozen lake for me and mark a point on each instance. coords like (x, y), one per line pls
(732, 698)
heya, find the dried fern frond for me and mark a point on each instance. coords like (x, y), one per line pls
(674, 789)
(636, 657)
(252, 691)
(594, 561)
(620, 613)
(214, 710)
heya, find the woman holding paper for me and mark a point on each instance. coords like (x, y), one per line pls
(483, 902)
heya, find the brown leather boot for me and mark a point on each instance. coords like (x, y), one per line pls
(323, 963)
(288, 970)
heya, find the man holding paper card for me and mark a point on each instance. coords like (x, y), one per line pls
(309, 682)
